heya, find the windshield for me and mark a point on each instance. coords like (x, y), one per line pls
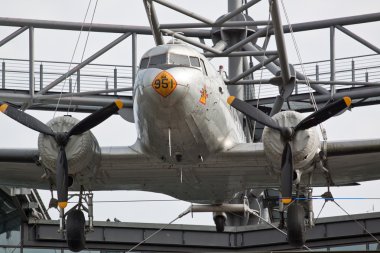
(177, 59)
(157, 60)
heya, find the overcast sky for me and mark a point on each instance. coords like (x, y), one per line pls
(361, 123)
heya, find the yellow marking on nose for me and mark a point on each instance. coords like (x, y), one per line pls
(164, 83)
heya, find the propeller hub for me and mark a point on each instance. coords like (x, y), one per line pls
(61, 139)
(305, 143)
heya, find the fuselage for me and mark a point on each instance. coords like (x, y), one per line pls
(180, 107)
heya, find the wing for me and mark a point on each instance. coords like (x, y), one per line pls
(350, 162)
(242, 167)
(20, 168)
(218, 178)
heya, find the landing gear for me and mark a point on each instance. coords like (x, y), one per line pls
(73, 222)
(296, 225)
(75, 229)
(220, 222)
(300, 216)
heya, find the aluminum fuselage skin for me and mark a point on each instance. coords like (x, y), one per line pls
(182, 127)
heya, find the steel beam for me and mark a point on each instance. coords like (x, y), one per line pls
(86, 101)
(241, 53)
(226, 24)
(84, 63)
(153, 21)
(184, 11)
(322, 24)
(328, 232)
(134, 57)
(251, 70)
(13, 35)
(78, 26)
(31, 61)
(280, 42)
(332, 58)
(191, 41)
(109, 28)
(340, 83)
(3, 75)
(273, 68)
(81, 94)
(358, 38)
(241, 43)
(236, 12)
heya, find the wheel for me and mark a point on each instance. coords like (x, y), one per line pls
(296, 225)
(75, 225)
(220, 222)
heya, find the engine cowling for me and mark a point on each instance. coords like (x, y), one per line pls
(305, 143)
(83, 151)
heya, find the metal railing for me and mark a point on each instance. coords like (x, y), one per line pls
(15, 76)
(365, 68)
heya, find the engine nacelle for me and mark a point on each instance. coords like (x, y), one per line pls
(82, 151)
(305, 143)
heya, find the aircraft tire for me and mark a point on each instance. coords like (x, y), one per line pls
(296, 225)
(75, 225)
(220, 222)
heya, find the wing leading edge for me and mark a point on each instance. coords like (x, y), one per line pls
(218, 178)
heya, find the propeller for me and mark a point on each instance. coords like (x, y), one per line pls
(94, 119)
(288, 133)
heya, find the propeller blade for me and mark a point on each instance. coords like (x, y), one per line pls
(26, 119)
(324, 114)
(62, 178)
(253, 113)
(96, 118)
(287, 174)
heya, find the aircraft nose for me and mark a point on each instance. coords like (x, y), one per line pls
(164, 87)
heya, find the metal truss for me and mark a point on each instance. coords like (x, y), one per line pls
(43, 95)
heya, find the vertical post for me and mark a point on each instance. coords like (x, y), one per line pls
(3, 75)
(31, 61)
(235, 64)
(353, 72)
(317, 72)
(106, 83)
(78, 81)
(332, 58)
(366, 76)
(41, 76)
(134, 58)
(115, 80)
(70, 85)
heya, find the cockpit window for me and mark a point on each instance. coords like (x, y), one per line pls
(144, 63)
(194, 61)
(177, 59)
(203, 67)
(157, 60)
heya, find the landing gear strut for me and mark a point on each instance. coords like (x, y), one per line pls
(73, 222)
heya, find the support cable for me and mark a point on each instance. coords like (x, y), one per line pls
(262, 67)
(84, 50)
(312, 98)
(158, 231)
(357, 222)
(72, 57)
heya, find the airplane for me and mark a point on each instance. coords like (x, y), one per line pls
(190, 145)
